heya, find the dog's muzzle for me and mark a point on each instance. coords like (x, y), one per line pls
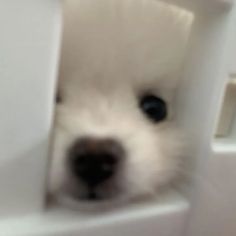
(94, 161)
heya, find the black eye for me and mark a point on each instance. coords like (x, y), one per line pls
(153, 107)
(58, 98)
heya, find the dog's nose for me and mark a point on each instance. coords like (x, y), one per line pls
(93, 161)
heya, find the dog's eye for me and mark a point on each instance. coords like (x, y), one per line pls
(154, 107)
(58, 98)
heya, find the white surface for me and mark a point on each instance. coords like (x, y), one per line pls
(209, 4)
(28, 47)
(207, 72)
(228, 110)
(232, 61)
(216, 201)
(165, 217)
(224, 145)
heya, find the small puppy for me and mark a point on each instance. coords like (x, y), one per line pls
(115, 138)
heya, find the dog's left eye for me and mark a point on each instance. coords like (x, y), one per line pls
(154, 107)
(58, 98)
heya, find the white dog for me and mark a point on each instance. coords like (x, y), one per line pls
(114, 133)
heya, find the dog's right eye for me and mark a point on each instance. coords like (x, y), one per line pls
(154, 107)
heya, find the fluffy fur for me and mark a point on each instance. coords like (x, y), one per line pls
(113, 52)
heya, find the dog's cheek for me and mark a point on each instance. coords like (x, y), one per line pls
(153, 161)
(57, 170)
(172, 152)
(140, 169)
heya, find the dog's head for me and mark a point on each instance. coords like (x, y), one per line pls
(114, 133)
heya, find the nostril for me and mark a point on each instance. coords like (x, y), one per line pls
(92, 169)
(77, 164)
(107, 167)
(94, 161)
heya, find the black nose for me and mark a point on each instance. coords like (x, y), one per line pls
(93, 161)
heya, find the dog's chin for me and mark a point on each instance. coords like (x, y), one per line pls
(91, 203)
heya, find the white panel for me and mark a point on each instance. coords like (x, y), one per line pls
(28, 46)
(217, 213)
(233, 53)
(163, 218)
(228, 110)
(201, 97)
(210, 4)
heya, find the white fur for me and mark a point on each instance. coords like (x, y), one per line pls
(113, 51)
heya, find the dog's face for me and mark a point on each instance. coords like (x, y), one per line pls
(114, 142)
(114, 134)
